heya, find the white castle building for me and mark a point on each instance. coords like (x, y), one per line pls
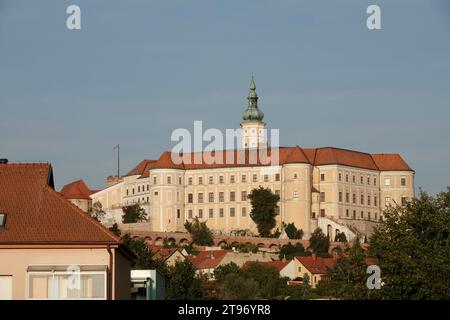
(339, 190)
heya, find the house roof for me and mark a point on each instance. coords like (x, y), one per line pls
(390, 162)
(141, 167)
(208, 259)
(162, 253)
(277, 264)
(76, 190)
(37, 214)
(287, 155)
(316, 265)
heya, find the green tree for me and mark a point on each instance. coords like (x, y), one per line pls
(115, 229)
(269, 283)
(348, 276)
(222, 271)
(290, 251)
(133, 213)
(248, 247)
(144, 257)
(97, 211)
(319, 242)
(237, 287)
(199, 231)
(264, 204)
(413, 249)
(292, 232)
(340, 237)
(182, 283)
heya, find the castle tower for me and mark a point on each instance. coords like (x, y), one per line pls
(253, 135)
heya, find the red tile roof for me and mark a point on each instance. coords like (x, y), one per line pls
(246, 158)
(76, 190)
(316, 265)
(209, 259)
(278, 264)
(141, 168)
(390, 162)
(37, 214)
(160, 252)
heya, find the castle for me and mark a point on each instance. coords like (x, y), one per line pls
(336, 189)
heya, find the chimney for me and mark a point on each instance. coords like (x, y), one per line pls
(3, 161)
(314, 256)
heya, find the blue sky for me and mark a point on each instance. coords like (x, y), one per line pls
(137, 70)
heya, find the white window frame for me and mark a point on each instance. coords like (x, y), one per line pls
(47, 273)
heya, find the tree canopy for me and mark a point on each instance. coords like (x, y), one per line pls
(292, 232)
(133, 213)
(413, 249)
(199, 231)
(319, 242)
(264, 204)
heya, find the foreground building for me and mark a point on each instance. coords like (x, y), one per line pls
(336, 189)
(49, 248)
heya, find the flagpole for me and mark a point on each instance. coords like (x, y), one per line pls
(118, 162)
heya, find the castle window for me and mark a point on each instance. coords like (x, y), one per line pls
(221, 179)
(368, 215)
(368, 200)
(139, 189)
(200, 213)
(375, 216)
(132, 190)
(232, 212)
(387, 201)
(127, 191)
(200, 180)
(200, 197)
(244, 196)
(322, 177)
(277, 192)
(375, 203)
(154, 180)
(190, 214)
(354, 198)
(266, 178)
(354, 179)
(362, 199)
(232, 179)
(221, 212)
(255, 178)
(403, 181)
(340, 176)
(190, 181)
(362, 214)
(347, 197)
(313, 215)
(232, 196)
(244, 211)
(362, 179)
(211, 213)
(322, 197)
(346, 213)
(346, 178)
(322, 213)
(277, 177)
(340, 196)
(148, 187)
(354, 214)
(179, 180)
(295, 194)
(211, 180)
(295, 175)
(387, 182)
(190, 198)
(178, 214)
(211, 197)
(244, 178)
(221, 197)
(374, 181)
(169, 180)
(368, 180)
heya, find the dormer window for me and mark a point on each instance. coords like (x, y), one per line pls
(2, 220)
